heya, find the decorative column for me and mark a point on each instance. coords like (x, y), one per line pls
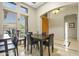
(66, 36)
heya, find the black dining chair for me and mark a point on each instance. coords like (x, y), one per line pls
(31, 41)
(21, 39)
(49, 43)
(15, 42)
(7, 45)
(43, 33)
(18, 39)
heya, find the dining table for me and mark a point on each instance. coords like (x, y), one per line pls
(40, 38)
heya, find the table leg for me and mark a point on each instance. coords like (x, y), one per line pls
(6, 48)
(24, 43)
(41, 48)
(27, 45)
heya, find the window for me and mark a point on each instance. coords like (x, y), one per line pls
(22, 26)
(10, 5)
(23, 9)
(9, 22)
(10, 18)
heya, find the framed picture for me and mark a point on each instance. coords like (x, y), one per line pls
(71, 25)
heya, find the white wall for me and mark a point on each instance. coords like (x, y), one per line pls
(56, 21)
(45, 8)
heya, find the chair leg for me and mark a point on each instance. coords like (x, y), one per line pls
(38, 46)
(52, 48)
(34, 46)
(49, 50)
(31, 49)
(27, 45)
(45, 47)
(17, 51)
(20, 42)
(14, 52)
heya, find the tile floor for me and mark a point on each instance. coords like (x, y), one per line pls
(58, 51)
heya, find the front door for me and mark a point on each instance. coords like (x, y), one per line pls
(45, 24)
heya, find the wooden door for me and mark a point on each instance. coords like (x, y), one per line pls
(45, 26)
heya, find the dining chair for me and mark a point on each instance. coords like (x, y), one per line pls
(49, 43)
(17, 40)
(44, 34)
(20, 38)
(7, 45)
(31, 41)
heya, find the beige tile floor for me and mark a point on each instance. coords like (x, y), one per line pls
(58, 51)
(74, 45)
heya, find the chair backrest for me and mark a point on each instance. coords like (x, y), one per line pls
(17, 32)
(13, 32)
(51, 39)
(15, 41)
(9, 32)
(29, 35)
(43, 33)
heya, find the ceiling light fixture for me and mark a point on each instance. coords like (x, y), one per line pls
(56, 11)
(34, 2)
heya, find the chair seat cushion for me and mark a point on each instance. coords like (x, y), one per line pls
(10, 46)
(34, 41)
(46, 43)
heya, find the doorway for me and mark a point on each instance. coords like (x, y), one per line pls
(45, 26)
(71, 31)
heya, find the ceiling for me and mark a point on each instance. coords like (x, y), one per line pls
(35, 4)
